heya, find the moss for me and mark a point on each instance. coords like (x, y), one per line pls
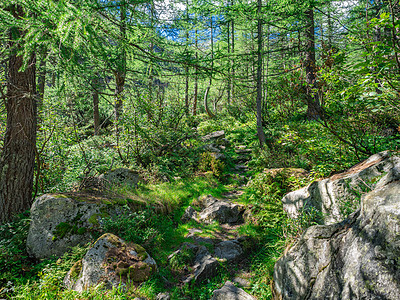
(142, 254)
(61, 230)
(82, 230)
(59, 196)
(76, 269)
(113, 239)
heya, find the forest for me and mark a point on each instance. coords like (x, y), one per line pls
(239, 100)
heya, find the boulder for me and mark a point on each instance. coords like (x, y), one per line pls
(205, 201)
(328, 196)
(357, 258)
(214, 136)
(205, 266)
(59, 222)
(121, 176)
(230, 292)
(228, 250)
(111, 262)
(190, 214)
(223, 212)
(163, 296)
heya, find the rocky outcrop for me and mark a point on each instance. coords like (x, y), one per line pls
(111, 262)
(230, 292)
(214, 136)
(228, 250)
(358, 258)
(121, 176)
(329, 196)
(59, 222)
(190, 214)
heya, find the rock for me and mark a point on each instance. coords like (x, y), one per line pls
(214, 136)
(241, 282)
(228, 250)
(111, 262)
(190, 214)
(121, 176)
(242, 150)
(205, 265)
(223, 212)
(184, 249)
(355, 259)
(230, 292)
(163, 296)
(328, 195)
(59, 222)
(211, 148)
(205, 201)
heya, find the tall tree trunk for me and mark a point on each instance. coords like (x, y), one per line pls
(186, 67)
(233, 59)
(120, 72)
(41, 79)
(314, 110)
(260, 131)
(196, 78)
(96, 113)
(208, 111)
(229, 63)
(18, 157)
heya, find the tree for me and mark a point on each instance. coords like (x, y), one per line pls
(18, 155)
(260, 131)
(314, 110)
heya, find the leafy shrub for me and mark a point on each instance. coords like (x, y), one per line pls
(209, 163)
(138, 227)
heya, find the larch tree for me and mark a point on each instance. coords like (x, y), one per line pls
(18, 156)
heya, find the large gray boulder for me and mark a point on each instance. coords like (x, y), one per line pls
(121, 176)
(328, 196)
(59, 222)
(222, 212)
(111, 262)
(230, 292)
(355, 259)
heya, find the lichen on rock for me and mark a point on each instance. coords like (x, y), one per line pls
(112, 262)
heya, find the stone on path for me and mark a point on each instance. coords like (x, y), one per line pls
(230, 292)
(228, 250)
(214, 136)
(223, 212)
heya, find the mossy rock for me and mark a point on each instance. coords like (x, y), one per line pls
(113, 261)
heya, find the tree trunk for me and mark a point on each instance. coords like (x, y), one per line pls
(41, 80)
(96, 113)
(18, 157)
(120, 72)
(196, 78)
(314, 110)
(260, 131)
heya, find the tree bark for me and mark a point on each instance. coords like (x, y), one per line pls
(260, 131)
(96, 113)
(314, 110)
(18, 157)
(196, 78)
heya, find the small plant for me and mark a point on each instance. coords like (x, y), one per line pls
(208, 162)
(182, 258)
(138, 227)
